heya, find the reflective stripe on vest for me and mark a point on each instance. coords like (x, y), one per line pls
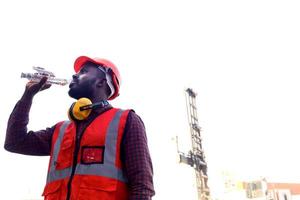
(107, 169)
(53, 174)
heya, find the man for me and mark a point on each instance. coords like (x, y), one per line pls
(102, 156)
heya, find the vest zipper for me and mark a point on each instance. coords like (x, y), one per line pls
(76, 151)
(75, 155)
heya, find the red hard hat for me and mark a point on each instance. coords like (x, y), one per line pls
(116, 78)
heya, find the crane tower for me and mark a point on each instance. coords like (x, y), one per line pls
(195, 157)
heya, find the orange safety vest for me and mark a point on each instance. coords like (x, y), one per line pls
(98, 171)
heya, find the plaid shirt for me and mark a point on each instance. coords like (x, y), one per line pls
(137, 164)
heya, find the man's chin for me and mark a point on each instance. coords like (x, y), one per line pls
(73, 95)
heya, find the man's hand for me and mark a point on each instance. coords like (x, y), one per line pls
(32, 88)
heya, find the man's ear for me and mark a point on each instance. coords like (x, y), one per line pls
(100, 82)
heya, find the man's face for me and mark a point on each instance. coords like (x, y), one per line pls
(84, 83)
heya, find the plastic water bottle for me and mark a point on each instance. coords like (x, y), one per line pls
(41, 72)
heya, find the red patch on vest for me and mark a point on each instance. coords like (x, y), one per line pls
(92, 155)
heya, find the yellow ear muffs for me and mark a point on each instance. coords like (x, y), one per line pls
(75, 113)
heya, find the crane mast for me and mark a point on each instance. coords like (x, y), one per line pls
(195, 157)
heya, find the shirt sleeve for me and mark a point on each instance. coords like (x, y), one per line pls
(19, 140)
(137, 160)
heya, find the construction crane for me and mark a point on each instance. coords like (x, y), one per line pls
(195, 157)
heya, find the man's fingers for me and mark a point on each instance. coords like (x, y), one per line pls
(43, 81)
(46, 86)
(34, 87)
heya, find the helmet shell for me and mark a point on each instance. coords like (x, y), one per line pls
(116, 78)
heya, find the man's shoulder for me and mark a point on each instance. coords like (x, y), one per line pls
(129, 111)
(60, 123)
(131, 114)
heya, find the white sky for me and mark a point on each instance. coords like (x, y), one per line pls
(242, 58)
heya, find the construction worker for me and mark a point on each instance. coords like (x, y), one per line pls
(101, 153)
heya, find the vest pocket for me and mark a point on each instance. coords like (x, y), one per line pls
(52, 191)
(65, 155)
(95, 187)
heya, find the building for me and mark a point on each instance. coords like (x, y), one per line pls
(261, 189)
